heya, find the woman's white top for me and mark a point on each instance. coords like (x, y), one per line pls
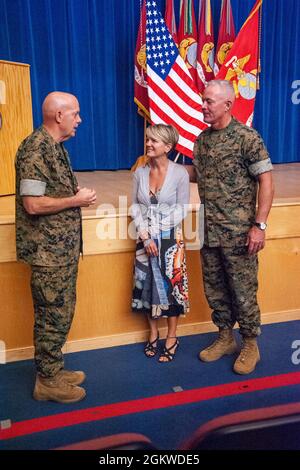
(173, 199)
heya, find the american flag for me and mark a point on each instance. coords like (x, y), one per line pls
(173, 96)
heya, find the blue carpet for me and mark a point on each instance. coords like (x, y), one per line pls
(124, 373)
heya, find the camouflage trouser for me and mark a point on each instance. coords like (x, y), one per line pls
(54, 297)
(230, 283)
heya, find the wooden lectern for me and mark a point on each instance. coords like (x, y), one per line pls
(15, 118)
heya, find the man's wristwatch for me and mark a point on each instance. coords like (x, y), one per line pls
(261, 225)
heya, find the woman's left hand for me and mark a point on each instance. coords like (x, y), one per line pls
(151, 248)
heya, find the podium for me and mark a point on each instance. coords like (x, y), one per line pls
(15, 118)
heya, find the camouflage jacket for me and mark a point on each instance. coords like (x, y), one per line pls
(227, 163)
(43, 169)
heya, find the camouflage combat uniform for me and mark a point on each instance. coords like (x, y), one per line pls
(227, 163)
(51, 244)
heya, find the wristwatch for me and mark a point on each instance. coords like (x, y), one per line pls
(261, 225)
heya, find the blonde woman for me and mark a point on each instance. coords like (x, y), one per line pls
(160, 199)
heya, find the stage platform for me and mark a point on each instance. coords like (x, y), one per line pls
(110, 185)
(103, 315)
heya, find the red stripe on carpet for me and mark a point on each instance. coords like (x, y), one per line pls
(98, 413)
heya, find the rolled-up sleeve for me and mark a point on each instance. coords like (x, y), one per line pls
(256, 155)
(31, 187)
(260, 167)
(33, 172)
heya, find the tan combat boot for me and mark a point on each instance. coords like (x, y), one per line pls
(73, 377)
(224, 344)
(248, 358)
(57, 389)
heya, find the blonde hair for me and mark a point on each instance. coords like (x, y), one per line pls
(168, 134)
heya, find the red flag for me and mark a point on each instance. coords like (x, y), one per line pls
(187, 36)
(242, 64)
(226, 35)
(173, 96)
(205, 54)
(140, 67)
(170, 20)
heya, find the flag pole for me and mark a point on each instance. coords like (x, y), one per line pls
(259, 48)
(145, 128)
(177, 157)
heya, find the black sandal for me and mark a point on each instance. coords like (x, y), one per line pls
(150, 350)
(167, 352)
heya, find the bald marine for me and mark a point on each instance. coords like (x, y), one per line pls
(61, 115)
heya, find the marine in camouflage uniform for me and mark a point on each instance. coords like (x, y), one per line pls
(50, 243)
(228, 162)
(49, 238)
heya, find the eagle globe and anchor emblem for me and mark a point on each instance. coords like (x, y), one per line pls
(207, 58)
(188, 51)
(141, 59)
(244, 83)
